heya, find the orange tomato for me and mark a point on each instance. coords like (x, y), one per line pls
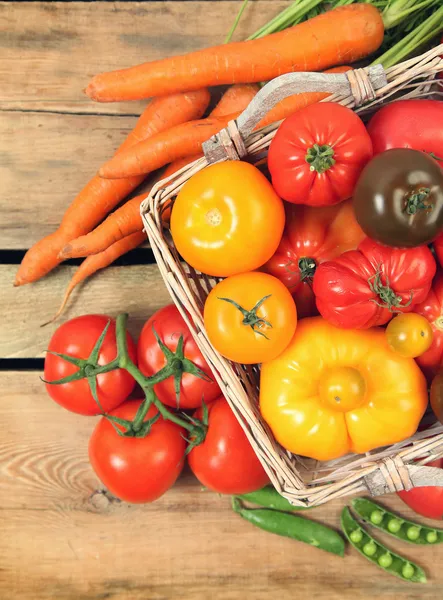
(250, 318)
(409, 334)
(334, 391)
(227, 219)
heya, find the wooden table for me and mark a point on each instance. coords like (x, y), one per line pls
(61, 536)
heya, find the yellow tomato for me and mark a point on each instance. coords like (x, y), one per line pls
(250, 318)
(227, 219)
(334, 391)
(409, 334)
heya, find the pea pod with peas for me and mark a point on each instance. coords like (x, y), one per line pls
(377, 553)
(402, 529)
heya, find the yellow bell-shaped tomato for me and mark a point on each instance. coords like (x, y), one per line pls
(334, 391)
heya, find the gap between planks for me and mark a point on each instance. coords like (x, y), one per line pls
(141, 292)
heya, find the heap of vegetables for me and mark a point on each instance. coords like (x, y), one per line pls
(330, 273)
(171, 129)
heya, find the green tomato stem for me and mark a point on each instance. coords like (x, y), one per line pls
(146, 383)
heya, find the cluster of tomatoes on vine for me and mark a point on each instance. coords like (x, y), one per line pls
(159, 404)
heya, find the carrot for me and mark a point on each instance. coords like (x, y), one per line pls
(163, 148)
(99, 196)
(236, 98)
(126, 219)
(342, 35)
(292, 104)
(99, 261)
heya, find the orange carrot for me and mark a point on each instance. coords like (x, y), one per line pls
(99, 196)
(163, 148)
(339, 36)
(236, 98)
(292, 104)
(126, 219)
(95, 262)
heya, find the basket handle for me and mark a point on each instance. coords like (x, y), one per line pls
(394, 476)
(361, 84)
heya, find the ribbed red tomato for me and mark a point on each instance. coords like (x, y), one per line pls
(366, 287)
(432, 308)
(225, 462)
(318, 153)
(170, 326)
(312, 235)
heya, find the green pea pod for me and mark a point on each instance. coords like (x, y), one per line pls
(292, 526)
(270, 498)
(377, 553)
(407, 531)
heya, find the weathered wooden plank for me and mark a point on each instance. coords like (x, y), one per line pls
(51, 49)
(138, 290)
(45, 160)
(60, 539)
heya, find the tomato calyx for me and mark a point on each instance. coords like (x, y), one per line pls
(434, 156)
(388, 298)
(138, 428)
(307, 267)
(197, 435)
(251, 319)
(418, 201)
(177, 364)
(320, 158)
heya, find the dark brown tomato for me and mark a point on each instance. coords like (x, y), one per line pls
(398, 200)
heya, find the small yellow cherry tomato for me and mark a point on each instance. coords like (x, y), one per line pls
(250, 318)
(409, 335)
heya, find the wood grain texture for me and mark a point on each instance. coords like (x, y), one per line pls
(45, 160)
(64, 539)
(55, 47)
(50, 50)
(138, 290)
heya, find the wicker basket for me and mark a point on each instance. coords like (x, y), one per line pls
(302, 481)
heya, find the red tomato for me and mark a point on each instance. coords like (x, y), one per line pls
(77, 338)
(170, 325)
(438, 247)
(137, 469)
(225, 462)
(426, 501)
(409, 124)
(364, 288)
(432, 308)
(311, 236)
(318, 153)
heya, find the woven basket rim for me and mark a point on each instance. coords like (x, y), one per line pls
(384, 470)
